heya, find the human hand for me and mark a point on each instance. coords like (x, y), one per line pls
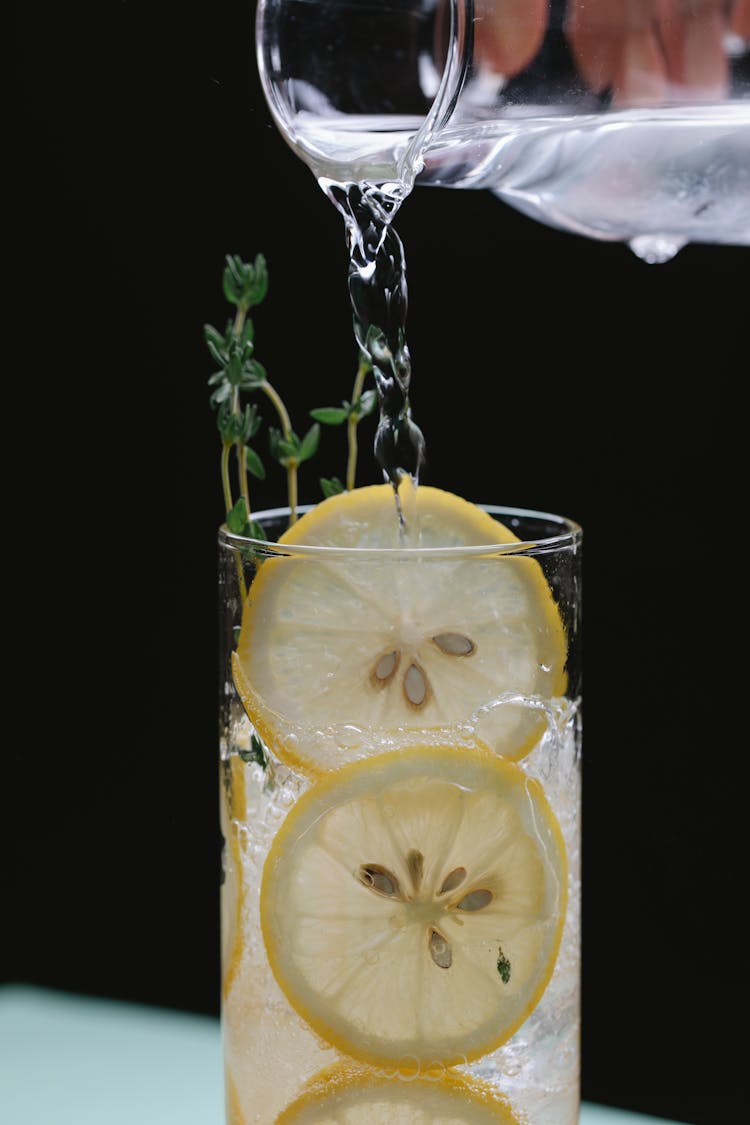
(655, 52)
(646, 52)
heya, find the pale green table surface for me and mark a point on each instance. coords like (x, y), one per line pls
(72, 1060)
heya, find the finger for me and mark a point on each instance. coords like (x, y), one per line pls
(615, 46)
(640, 78)
(693, 33)
(739, 20)
(508, 34)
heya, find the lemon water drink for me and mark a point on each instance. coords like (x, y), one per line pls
(400, 755)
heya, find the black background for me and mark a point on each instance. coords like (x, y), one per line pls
(587, 383)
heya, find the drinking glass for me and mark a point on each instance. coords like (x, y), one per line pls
(622, 120)
(401, 900)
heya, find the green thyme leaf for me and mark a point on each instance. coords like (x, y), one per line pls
(255, 754)
(253, 375)
(503, 965)
(213, 336)
(309, 444)
(216, 353)
(331, 486)
(330, 415)
(237, 518)
(283, 449)
(226, 423)
(234, 368)
(217, 342)
(254, 463)
(245, 283)
(221, 395)
(251, 421)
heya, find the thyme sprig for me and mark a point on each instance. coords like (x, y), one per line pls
(239, 375)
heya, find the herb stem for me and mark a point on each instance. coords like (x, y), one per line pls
(275, 397)
(226, 449)
(286, 429)
(351, 426)
(237, 328)
(239, 320)
(291, 484)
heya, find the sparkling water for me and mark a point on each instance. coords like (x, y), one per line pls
(272, 1052)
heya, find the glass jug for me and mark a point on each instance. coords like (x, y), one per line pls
(624, 120)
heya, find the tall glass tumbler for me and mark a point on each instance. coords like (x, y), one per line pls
(400, 744)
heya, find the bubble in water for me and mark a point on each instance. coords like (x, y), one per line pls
(409, 1068)
(349, 737)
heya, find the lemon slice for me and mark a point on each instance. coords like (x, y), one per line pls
(346, 656)
(342, 1097)
(412, 905)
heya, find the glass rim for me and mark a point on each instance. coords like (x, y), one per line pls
(570, 535)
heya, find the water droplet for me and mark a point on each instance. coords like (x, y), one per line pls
(656, 248)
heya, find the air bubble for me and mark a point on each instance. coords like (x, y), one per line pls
(409, 1068)
(349, 737)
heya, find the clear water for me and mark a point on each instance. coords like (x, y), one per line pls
(378, 295)
(655, 179)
